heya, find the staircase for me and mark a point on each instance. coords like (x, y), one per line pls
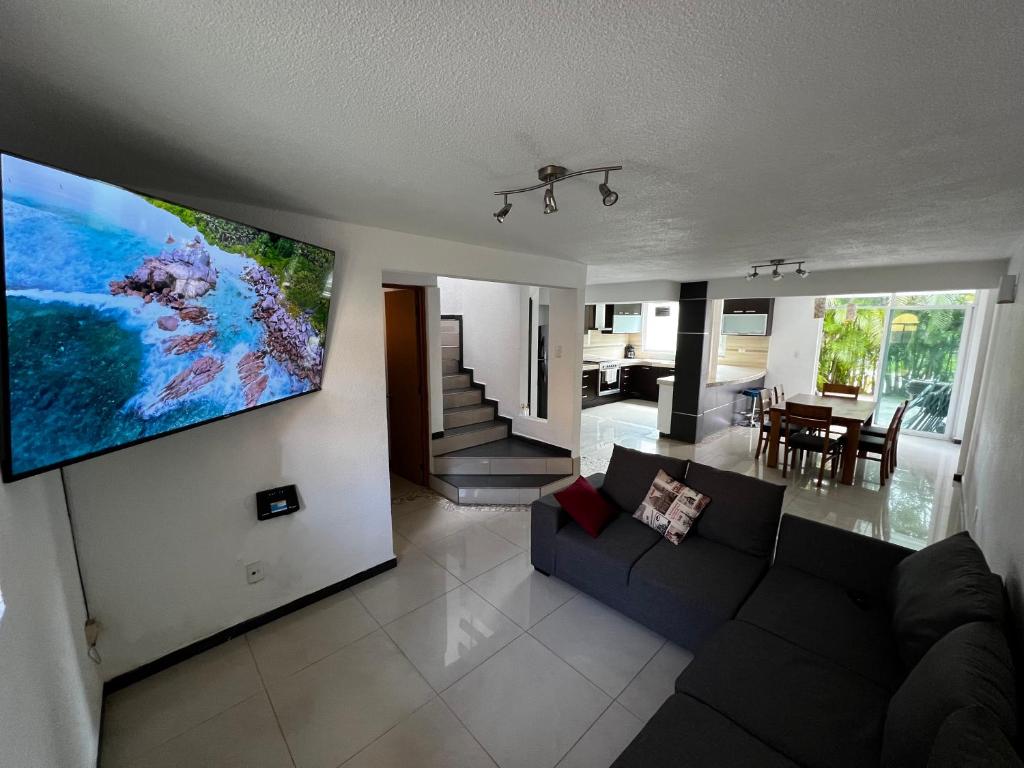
(477, 460)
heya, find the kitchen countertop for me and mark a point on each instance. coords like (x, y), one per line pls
(624, 362)
(734, 374)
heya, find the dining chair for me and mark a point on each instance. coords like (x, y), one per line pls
(780, 394)
(883, 431)
(880, 449)
(828, 389)
(765, 426)
(808, 428)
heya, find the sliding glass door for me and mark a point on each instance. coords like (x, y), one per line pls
(921, 361)
(898, 347)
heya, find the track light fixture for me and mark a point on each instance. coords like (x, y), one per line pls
(608, 197)
(550, 175)
(775, 273)
(550, 206)
(503, 212)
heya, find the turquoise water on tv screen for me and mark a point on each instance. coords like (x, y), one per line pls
(128, 317)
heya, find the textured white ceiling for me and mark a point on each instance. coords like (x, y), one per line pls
(849, 133)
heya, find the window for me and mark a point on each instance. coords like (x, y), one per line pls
(661, 324)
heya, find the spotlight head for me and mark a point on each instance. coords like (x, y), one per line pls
(800, 271)
(501, 214)
(776, 275)
(753, 275)
(550, 206)
(608, 196)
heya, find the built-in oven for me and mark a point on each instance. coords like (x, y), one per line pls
(608, 378)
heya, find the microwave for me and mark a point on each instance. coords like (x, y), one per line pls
(754, 324)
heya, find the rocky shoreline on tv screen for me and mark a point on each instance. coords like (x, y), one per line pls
(128, 317)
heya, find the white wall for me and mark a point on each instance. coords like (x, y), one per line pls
(993, 483)
(166, 527)
(793, 349)
(49, 690)
(491, 336)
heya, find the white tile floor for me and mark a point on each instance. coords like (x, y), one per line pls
(463, 655)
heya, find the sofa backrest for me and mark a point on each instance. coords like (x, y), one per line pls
(939, 588)
(970, 666)
(630, 474)
(744, 512)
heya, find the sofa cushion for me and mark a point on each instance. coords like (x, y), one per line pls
(849, 628)
(684, 732)
(630, 474)
(591, 511)
(938, 589)
(597, 564)
(744, 513)
(802, 705)
(970, 738)
(970, 666)
(670, 507)
(686, 592)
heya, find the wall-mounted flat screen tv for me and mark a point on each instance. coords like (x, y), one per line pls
(126, 317)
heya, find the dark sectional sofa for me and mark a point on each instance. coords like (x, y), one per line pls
(846, 651)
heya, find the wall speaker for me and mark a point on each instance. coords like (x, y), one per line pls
(1007, 289)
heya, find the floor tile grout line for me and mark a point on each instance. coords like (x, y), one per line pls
(270, 701)
(471, 734)
(203, 722)
(638, 673)
(352, 757)
(211, 717)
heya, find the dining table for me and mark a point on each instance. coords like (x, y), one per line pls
(849, 412)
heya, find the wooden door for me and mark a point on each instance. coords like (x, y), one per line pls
(408, 427)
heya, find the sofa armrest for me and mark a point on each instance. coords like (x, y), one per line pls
(858, 563)
(546, 518)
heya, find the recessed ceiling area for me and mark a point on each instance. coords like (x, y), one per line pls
(845, 135)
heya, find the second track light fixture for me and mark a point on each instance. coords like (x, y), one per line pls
(775, 273)
(550, 175)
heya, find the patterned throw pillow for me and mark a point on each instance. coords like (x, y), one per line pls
(671, 507)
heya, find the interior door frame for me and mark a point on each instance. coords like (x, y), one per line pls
(420, 296)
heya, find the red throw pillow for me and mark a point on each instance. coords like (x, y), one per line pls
(586, 506)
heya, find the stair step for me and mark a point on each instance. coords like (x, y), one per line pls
(511, 456)
(450, 338)
(497, 489)
(451, 353)
(512, 446)
(455, 381)
(463, 415)
(449, 326)
(468, 396)
(469, 435)
(449, 366)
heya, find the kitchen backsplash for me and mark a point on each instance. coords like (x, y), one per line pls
(746, 351)
(613, 346)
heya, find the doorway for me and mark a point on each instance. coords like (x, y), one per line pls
(898, 347)
(405, 341)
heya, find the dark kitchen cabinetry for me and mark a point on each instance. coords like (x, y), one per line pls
(637, 381)
(590, 386)
(590, 317)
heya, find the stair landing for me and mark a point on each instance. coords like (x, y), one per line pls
(497, 489)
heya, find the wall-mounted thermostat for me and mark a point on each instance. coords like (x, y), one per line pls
(277, 502)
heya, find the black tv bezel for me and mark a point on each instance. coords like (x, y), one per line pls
(6, 452)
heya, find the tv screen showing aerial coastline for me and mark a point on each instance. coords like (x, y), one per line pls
(127, 317)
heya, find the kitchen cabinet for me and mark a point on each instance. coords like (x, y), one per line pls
(755, 309)
(590, 318)
(589, 388)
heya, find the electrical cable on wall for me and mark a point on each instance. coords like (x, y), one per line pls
(91, 626)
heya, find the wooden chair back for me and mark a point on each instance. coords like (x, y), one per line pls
(828, 389)
(809, 417)
(894, 423)
(764, 404)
